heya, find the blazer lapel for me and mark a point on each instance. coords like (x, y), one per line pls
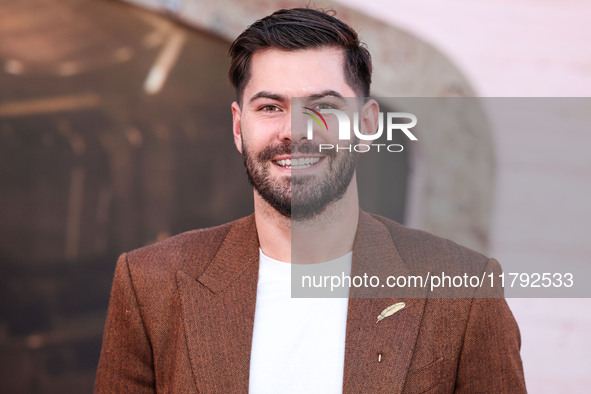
(377, 355)
(218, 312)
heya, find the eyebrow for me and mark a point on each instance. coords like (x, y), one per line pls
(267, 95)
(278, 97)
(325, 93)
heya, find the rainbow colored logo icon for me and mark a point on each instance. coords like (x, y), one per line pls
(316, 117)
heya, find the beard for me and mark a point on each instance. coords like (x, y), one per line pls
(299, 197)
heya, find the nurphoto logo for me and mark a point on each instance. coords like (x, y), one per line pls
(393, 123)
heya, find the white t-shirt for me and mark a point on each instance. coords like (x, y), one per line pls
(298, 344)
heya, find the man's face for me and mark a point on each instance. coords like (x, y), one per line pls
(286, 168)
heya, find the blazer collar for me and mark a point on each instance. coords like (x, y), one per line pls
(374, 253)
(237, 253)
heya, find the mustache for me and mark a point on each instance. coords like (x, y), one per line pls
(288, 148)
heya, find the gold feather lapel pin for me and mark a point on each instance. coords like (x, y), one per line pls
(389, 311)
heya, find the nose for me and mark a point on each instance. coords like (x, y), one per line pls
(298, 124)
(284, 133)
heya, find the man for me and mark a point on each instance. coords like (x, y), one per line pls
(210, 310)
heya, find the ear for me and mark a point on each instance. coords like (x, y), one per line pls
(236, 115)
(370, 113)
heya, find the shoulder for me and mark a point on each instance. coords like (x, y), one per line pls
(419, 248)
(191, 251)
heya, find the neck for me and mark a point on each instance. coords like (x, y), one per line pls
(322, 238)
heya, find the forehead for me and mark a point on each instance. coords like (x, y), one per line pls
(298, 73)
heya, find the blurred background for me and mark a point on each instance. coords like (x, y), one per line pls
(115, 132)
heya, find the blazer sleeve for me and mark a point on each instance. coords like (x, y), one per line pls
(126, 361)
(490, 359)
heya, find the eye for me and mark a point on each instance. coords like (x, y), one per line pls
(324, 106)
(269, 108)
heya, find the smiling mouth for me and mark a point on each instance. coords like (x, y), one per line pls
(299, 163)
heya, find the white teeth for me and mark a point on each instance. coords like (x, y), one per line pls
(299, 163)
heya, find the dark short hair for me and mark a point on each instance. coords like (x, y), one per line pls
(301, 28)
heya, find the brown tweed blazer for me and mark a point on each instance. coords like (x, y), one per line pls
(181, 317)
